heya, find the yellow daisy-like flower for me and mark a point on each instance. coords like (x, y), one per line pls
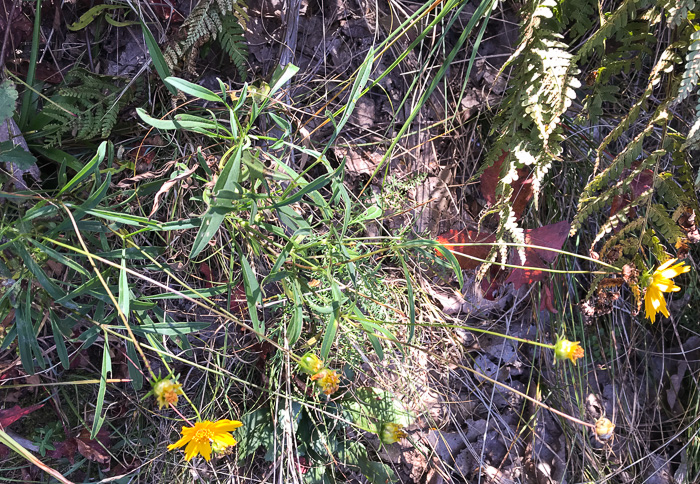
(391, 433)
(166, 392)
(327, 380)
(660, 282)
(310, 364)
(567, 349)
(199, 438)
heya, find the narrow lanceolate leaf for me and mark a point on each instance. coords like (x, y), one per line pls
(253, 295)
(105, 374)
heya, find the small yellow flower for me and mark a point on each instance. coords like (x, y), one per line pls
(604, 429)
(567, 349)
(166, 392)
(310, 364)
(391, 433)
(199, 438)
(658, 283)
(327, 380)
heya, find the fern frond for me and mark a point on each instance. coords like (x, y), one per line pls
(222, 20)
(95, 100)
(233, 42)
(632, 227)
(613, 22)
(664, 224)
(678, 11)
(692, 68)
(665, 64)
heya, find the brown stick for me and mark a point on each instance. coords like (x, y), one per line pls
(7, 34)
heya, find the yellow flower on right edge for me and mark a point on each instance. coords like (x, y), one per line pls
(660, 282)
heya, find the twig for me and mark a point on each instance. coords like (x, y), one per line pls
(7, 34)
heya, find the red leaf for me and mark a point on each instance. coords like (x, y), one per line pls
(94, 450)
(522, 187)
(206, 274)
(467, 236)
(11, 415)
(552, 236)
(546, 301)
(640, 184)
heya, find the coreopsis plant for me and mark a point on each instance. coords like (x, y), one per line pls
(391, 433)
(327, 380)
(166, 391)
(310, 364)
(659, 282)
(565, 349)
(203, 435)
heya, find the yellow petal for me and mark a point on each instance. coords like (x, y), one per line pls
(680, 268)
(663, 308)
(191, 450)
(226, 425)
(205, 450)
(665, 265)
(225, 439)
(180, 443)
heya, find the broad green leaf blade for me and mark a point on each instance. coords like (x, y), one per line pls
(93, 164)
(8, 99)
(281, 76)
(60, 343)
(26, 337)
(253, 295)
(332, 328)
(156, 56)
(257, 431)
(211, 221)
(104, 375)
(124, 291)
(134, 366)
(193, 89)
(156, 123)
(295, 325)
(47, 284)
(12, 153)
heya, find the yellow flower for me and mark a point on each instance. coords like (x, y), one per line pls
(199, 438)
(604, 429)
(567, 349)
(166, 392)
(660, 282)
(310, 364)
(327, 380)
(391, 433)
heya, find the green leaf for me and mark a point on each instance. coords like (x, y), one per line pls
(60, 342)
(88, 17)
(106, 371)
(370, 407)
(257, 431)
(8, 98)
(134, 366)
(253, 295)
(93, 164)
(295, 325)
(281, 76)
(157, 56)
(26, 336)
(193, 89)
(168, 328)
(12, 153)
(354, 455)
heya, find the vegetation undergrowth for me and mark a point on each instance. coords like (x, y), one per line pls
(217, 288)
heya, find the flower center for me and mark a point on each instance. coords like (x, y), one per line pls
(203, 435)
